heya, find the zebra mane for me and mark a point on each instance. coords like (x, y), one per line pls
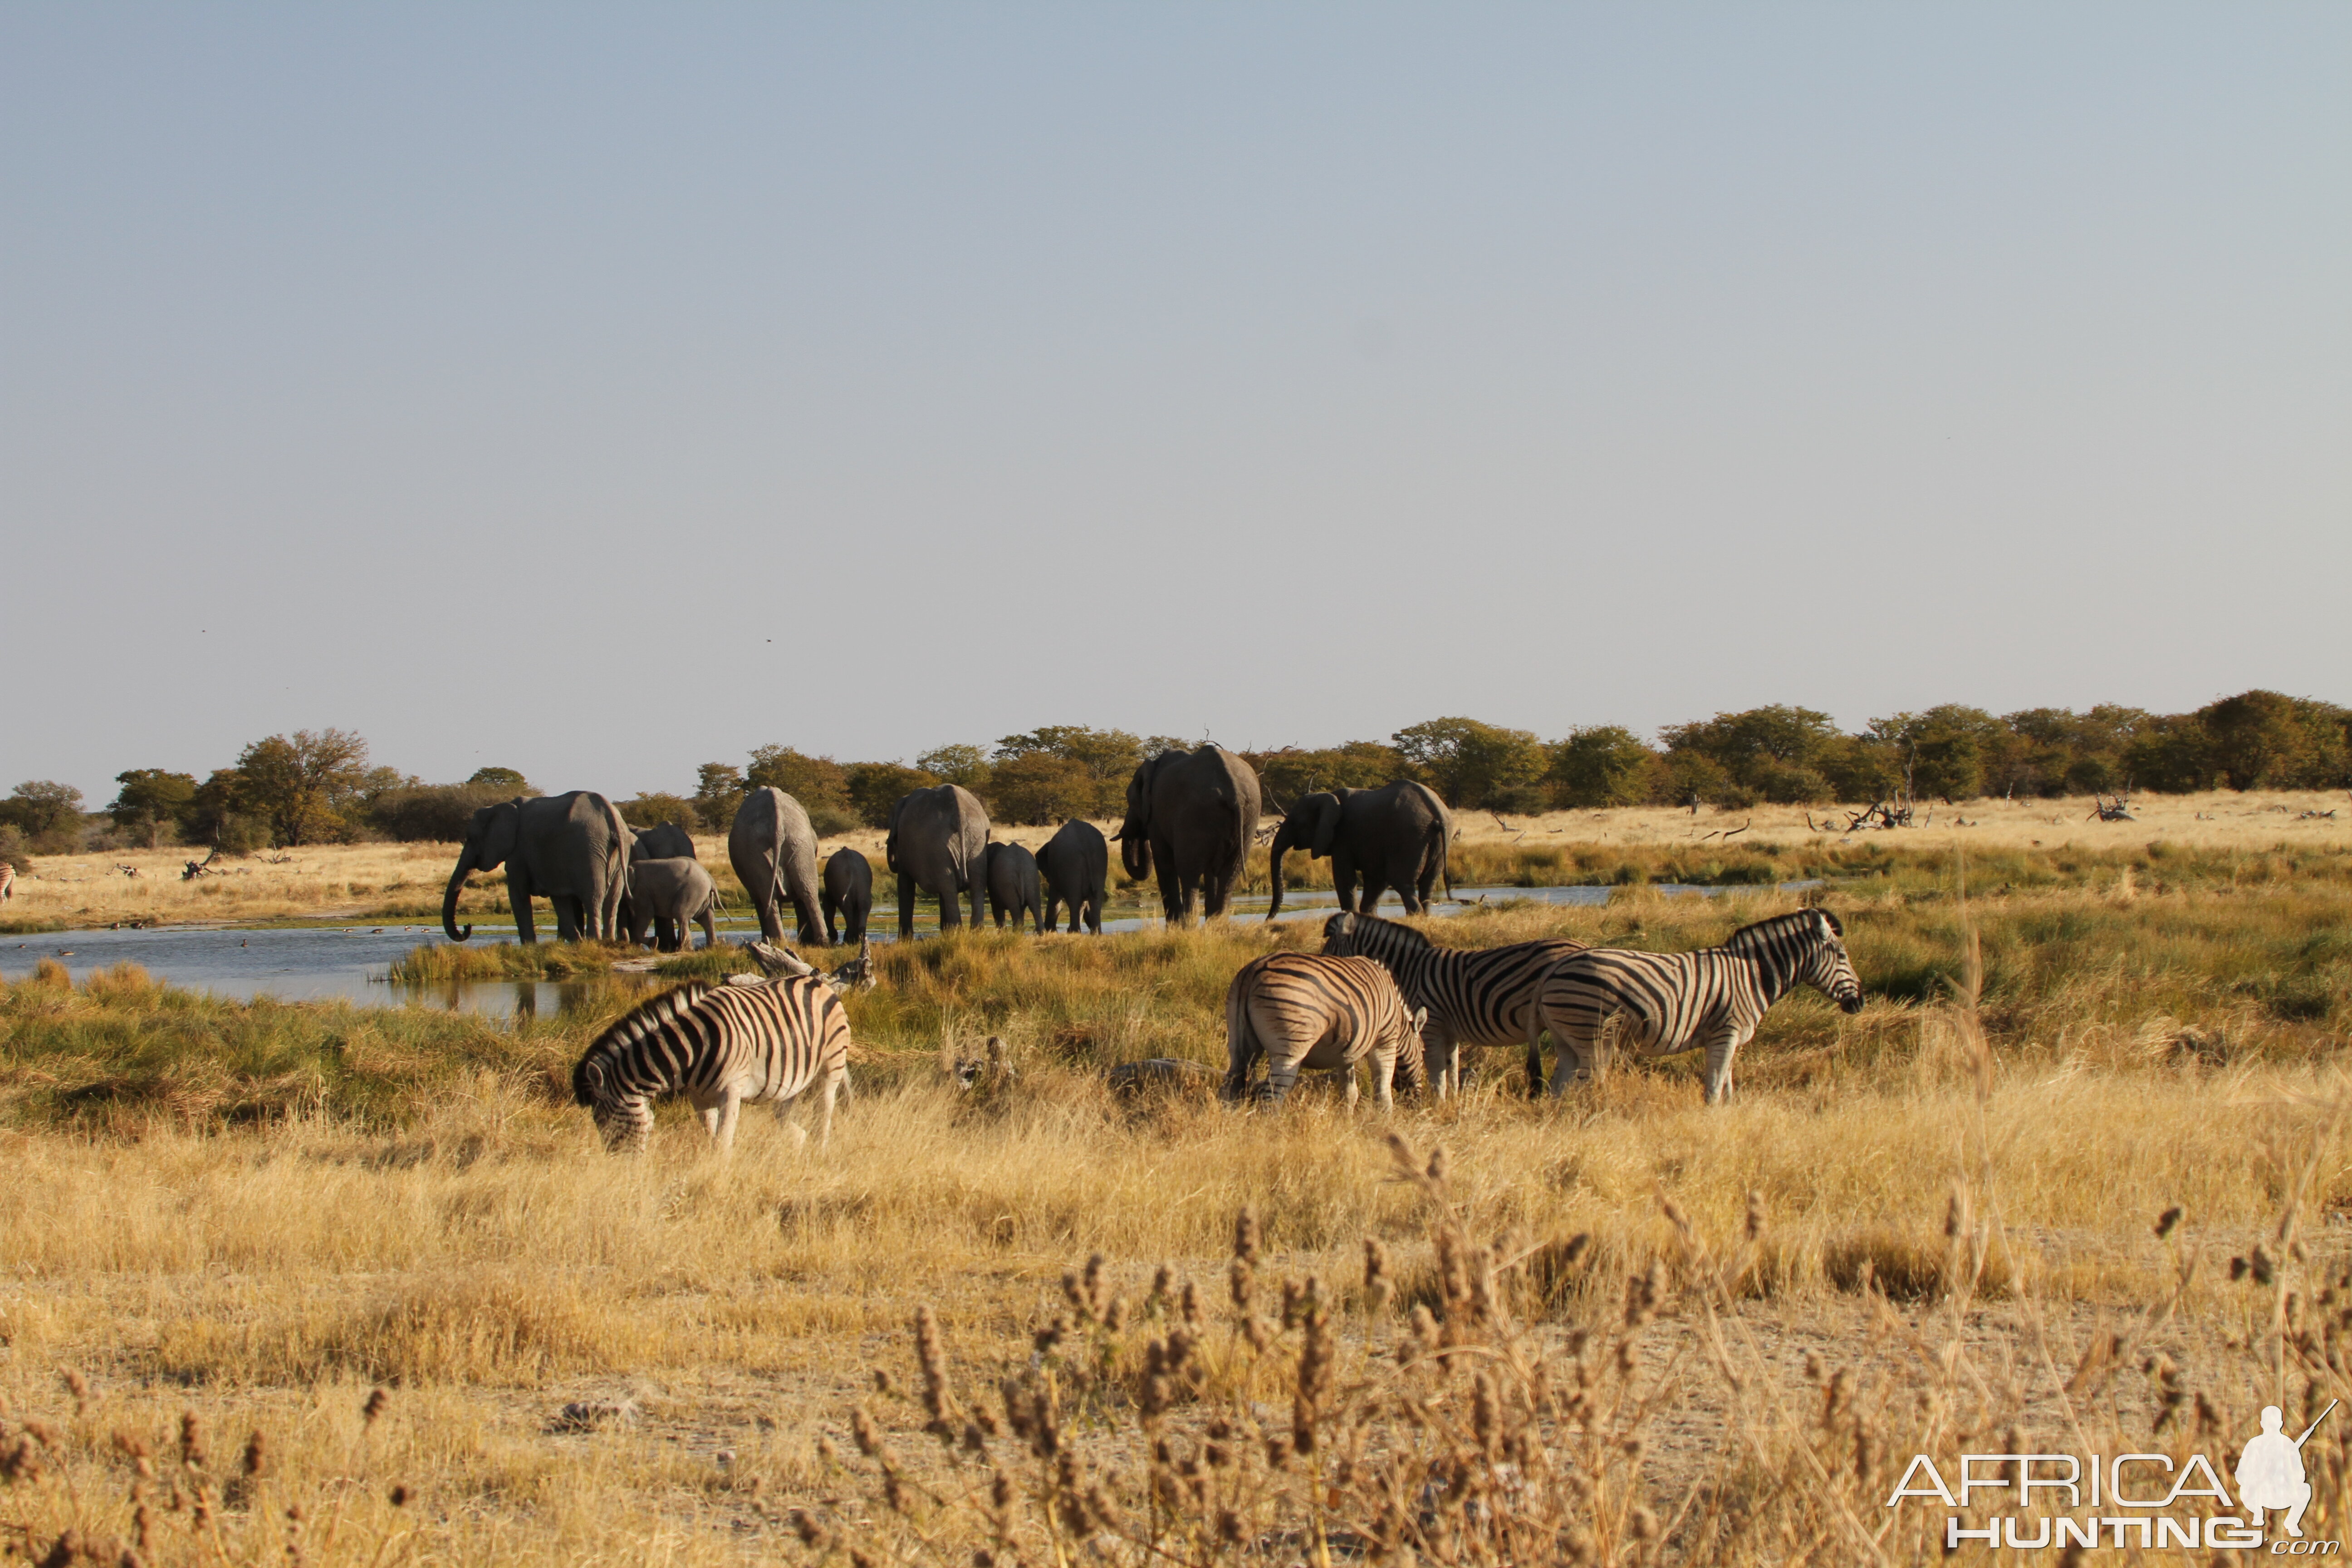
(1779, 925)
(637, 1022)
(1392, 930)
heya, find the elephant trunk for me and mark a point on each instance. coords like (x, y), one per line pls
(1135, 854)
(1283, 838)
(449, 899)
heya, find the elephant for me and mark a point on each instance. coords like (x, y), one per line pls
(1396, 836)
(848, 893)
(1194, 814)
(571, 849)
(1074, 863)
(773, 850)
(666, 893)
(668, 842)
(938, 842)
(1013, 885)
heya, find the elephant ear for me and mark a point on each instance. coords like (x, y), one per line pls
(1327, 825)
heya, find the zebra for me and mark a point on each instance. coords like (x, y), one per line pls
(718, 1046)
(1474, 997)
(1305, 1011)
(1662, 1003)
(7, 881)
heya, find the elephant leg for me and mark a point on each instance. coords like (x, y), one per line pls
(979, 892)
(906, 906)
(1094, 912)
(1051, 918)
(710, 928)
(951, 909)
(518, 899)
(568, 919)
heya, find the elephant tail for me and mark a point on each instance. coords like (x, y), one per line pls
(1444, 856)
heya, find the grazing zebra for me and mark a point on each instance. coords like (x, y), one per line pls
(1657, 1004)
(1474, 997)
(718, 1046)
(1305, 1011)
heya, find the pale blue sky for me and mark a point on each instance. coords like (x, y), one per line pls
(497, 381)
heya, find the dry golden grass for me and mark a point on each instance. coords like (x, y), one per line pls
(2258, 819)
(1955, 1209)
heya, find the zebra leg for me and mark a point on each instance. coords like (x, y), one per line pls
(1384, 1060)
(1569, 1066)
(835, 1082)
(1719, 1051)
(1347, 1075)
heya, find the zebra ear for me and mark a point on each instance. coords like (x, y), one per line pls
(1419, 1019)
(1837, 927)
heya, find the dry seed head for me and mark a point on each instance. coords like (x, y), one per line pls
(2165, 1221)
(1437, 1165)
(1245, 1236)
(1114, 1317)
(77, 1385)
(1241, 1282)
(256, 1455)
(1754, 1226)
(372, 1411)
(1955, 1213)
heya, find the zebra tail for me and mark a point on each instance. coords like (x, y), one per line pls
(1241, 1042)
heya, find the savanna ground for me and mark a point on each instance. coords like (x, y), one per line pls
(1620, 1328)
(336, 882)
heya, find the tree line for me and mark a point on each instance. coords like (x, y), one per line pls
(319, 786)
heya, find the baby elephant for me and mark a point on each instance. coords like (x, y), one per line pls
(1074, 863)
(1302, 1010)
(665, 894)
(848, 893)
(1013, 885)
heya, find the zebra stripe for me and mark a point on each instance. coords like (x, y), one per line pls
(1304, 1011)
(1474, 997)
(1656, 1003)
(718, 1046)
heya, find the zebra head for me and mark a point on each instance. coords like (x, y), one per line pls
(622, 1119)
(1339, 936)
(1826, 967)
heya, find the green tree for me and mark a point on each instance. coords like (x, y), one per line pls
(877, 788)
(504, 778)
(149, 798)
(2266, 740)
(1475, 765)
(1602, 764)
(1763, 750)
(817, 783)
(1109, 757)
(1039, 787)
(47, 813)
(303, 784)
(1292, 772)
(719, 791)
(2172, 755)
(965, 766)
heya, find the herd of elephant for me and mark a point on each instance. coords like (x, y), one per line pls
(1192, 817)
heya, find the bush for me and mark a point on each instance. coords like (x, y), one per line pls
(1784, 783)
(12, 849)
(832, 821)
(428, 813)
(653, 810)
